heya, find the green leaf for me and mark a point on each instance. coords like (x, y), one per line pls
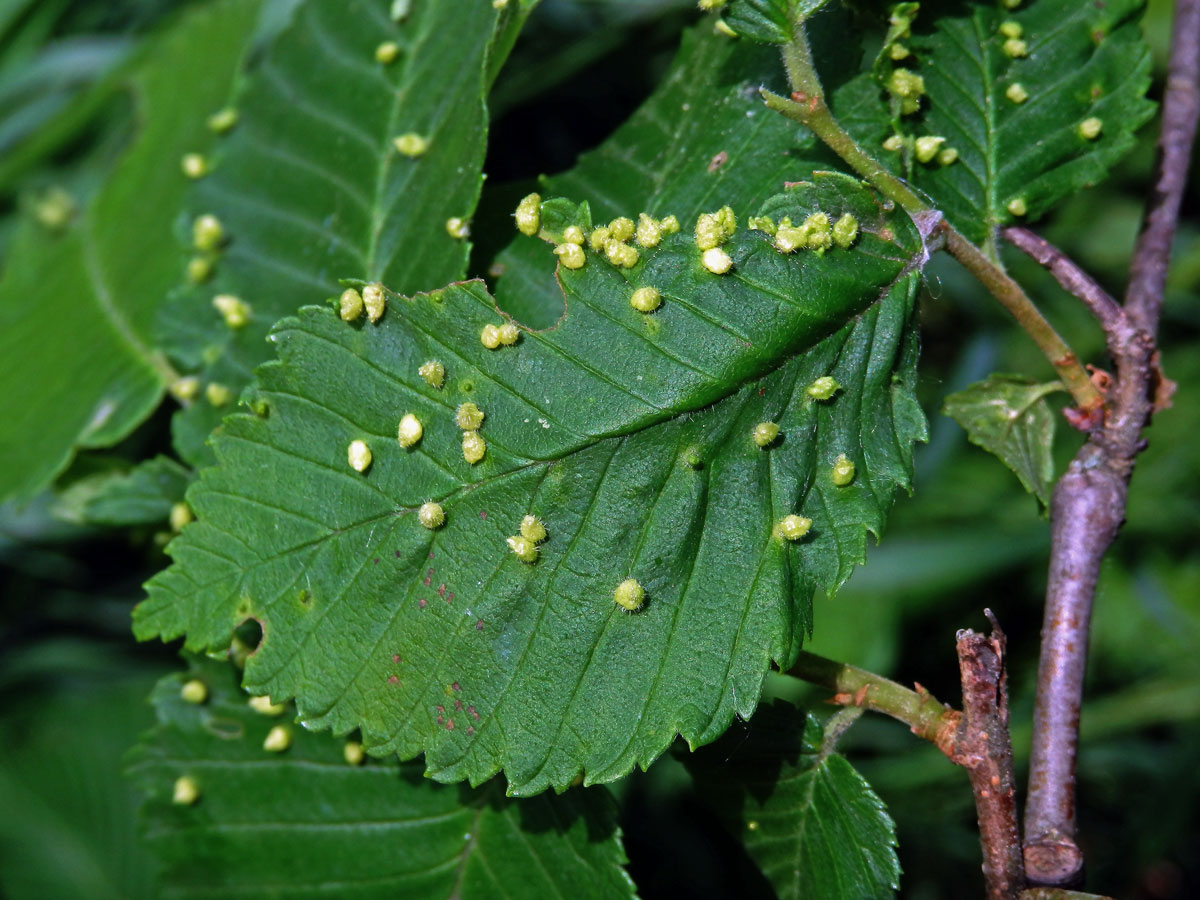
(311, 188)
(1085, 61)
(305, 823)
(77, 362)
(142, 495)
(629, 435)
(806, 817)
(1008, 415)
(769, 20)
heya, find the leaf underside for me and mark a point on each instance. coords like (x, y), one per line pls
(806, 817)
(305, 823)
(1085, 60)
(629, 435)
(76, 311)
(310, 187)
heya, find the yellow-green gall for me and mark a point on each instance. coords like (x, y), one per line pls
(823, 388)
(194, 691)
(1016, 93)
(431, 515)
(489, 336)
(468, 417)
(499, 4)
(529, 214)
(208, 234)
(789, 238)
(571, 255)
(843, 471)
(278, 739)
(709, 5)
(185, 389)
(898, 51)
(1089, 129)
(387, 52)
(669, 225)
(948, 157)
(709, 232)
(375, 300)
(927, 146)
(458, 228)
(649, 232)
(716, 261)
(473, 447)
(350, 305)
(598, 238)
(353, 753)
(845, 231)
(1015, 48)
(217, 394)
(533, 529)
(199, 269)
(411, 145)
(186, 791)
(645, 299)
(223, 120)
(894, 144)
(620, 254)
(727, 220)
(629, 595)
(508, 333)
(1016, 206)
(180, 515)
(264, 707)
(358, 454)
(55, 208)
(762, 223)
(905, 84)
(1011, 29)
(573, 234)
(818, 232)
(1010, 4)
(433, 372)
(792, 528)
(409, 431)
(233, 310)
(622, 229)
(764, 433)
(194, 165)
(523, 548)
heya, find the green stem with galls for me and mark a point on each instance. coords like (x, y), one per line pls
(808, 107)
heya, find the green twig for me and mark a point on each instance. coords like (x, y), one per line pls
(808, 107)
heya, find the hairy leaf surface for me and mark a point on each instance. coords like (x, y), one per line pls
(629, 435)
(1083, 61)
(305, 823)
(76, 311)
(311, 188)
(805, 816)
(1008, 415)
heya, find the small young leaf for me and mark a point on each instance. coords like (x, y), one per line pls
(76, 311)
(769, 20)
(1015, 121)
(317, 820)
(805, 816)
(629, 435)
(1008, 415)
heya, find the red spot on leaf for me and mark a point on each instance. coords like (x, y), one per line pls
(471, 710)
(483, 514)
(422, 603)
(457, 704)
(479, 625)
(449, 724)
(470, 729)
(395, 657)
(442, 589)
(456, 686)
(392, 679)
(440, 709)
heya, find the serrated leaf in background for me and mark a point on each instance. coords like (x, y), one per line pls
(306, 823)
(768, 20)
(1015, 118)
(598, 426)
(1008, 415)
(311, 188)
(76, 311)
(806, 817)
(142, 495)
